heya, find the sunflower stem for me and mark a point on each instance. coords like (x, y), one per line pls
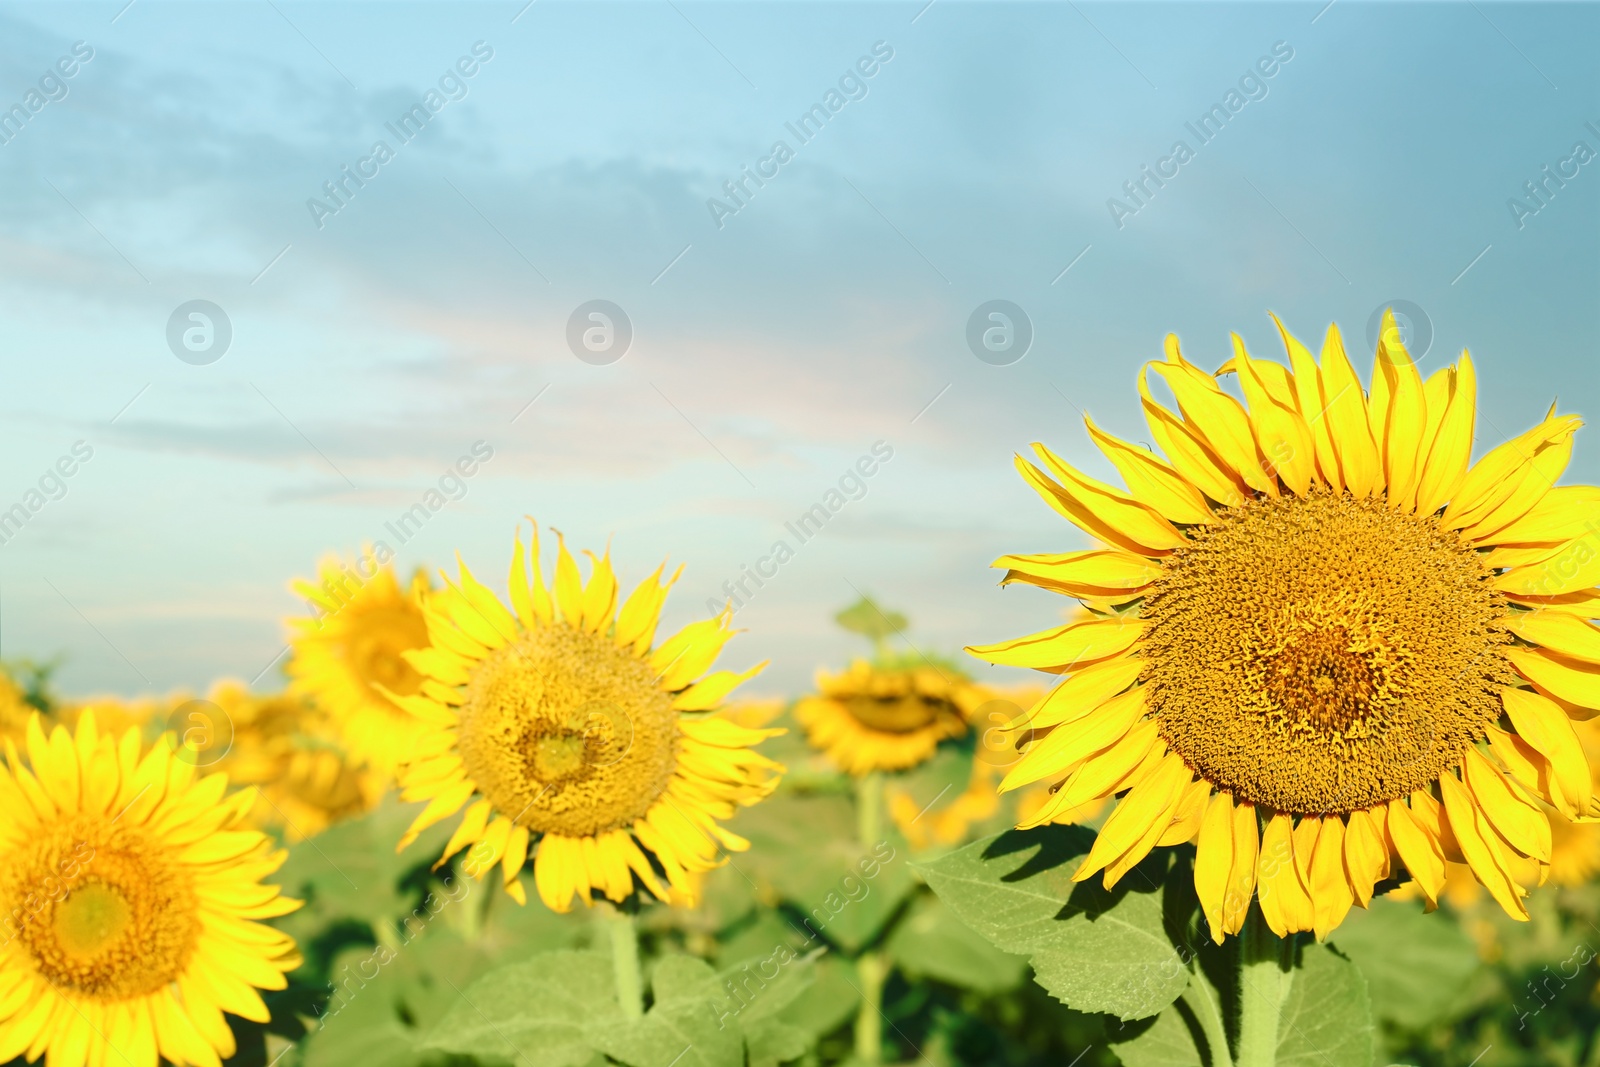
(1266, 967)
(869, 809)
(625, 961)
(871, 969)
(871, 966)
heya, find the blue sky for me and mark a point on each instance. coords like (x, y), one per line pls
(768, 354)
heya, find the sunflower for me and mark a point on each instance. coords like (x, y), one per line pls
(287, 749)
(132, 891)
(15, 711)
(348, 656)
(888, 716)
(1335, 644)
(565, 728)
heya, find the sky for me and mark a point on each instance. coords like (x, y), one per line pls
(776, 335)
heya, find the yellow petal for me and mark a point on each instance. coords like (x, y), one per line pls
(1213, 860)
(1216, 417)
(709, 692)
(1242, 876)
(1060, 648)
(1084, 691)
(600, 595)
(1418, 850)
(1497, 476)
(1140, 817)
(1331, 895)
(1565, 634)
(1063, 748)
(1154, 483)
(1449, 450)
(1522, 824)
(1107, 513)
(1366, 858)
(1188, 453)
(1347, 419)
(1563, 513)
(1544, 726)
(1311, 403)
(1102, 573)
(1282, 437)
(1282, 893)
(1466, 823)
(1399, 421)
(569, 585)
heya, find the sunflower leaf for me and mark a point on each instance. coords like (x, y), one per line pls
(684, 1026)
(1168, 1040)
(1092, 949)
(930, 942)
(543, 1012)
(1426, 983)
(1326, 1019)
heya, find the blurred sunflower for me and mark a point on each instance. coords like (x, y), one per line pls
(887, 716)
(562, 723)
(287, 749)
(15, 711)
(115, 715)
(133, 893)
(1327, 623)
(348, 656)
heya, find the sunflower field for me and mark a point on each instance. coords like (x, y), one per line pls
(1307, 778)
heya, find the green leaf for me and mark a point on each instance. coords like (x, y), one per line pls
(1426, 983)
(1326, 1019)
(1092, 949)
(682, 1026)
(931, 942)
(828, 1002)
(351, 872)
(543, 1012)
(803, 850)
(865, 617)
(1166, 1041)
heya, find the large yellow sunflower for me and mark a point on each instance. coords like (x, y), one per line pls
(887, 717)
(566, 729)
(348, 656)
(132, 894)
(1334, 642)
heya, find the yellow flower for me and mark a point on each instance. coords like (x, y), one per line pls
(563, 726)
(348, 655)
(873, 718)
(286, 748)
(1336, 644)
(15, 711)
(132, 894)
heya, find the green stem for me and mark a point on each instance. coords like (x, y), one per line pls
(869, 809)
(1266, 967)
(625, 961)
(871, 967)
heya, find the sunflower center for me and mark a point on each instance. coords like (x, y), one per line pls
(1323, 654)
(566, 733)
(101, 910)
(897, 714)
(374, 648)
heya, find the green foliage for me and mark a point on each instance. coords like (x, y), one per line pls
(1094, 949)
(1417, 966)
(865, 617)
(1326, 1019)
